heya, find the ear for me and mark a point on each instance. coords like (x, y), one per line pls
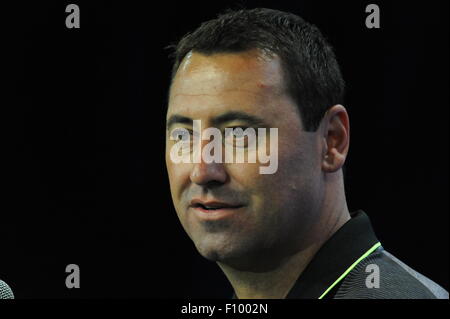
(336, 138)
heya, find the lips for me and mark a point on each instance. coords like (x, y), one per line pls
(211, 206)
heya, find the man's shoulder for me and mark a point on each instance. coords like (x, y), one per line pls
(382, 276)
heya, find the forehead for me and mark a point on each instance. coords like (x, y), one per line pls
(204, 83)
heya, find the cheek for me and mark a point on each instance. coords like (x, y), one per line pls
(245, 175)
(258, 187)
(296, 169)
(179, 176)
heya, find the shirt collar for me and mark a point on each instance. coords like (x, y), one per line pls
(352, 241)
(340, 252)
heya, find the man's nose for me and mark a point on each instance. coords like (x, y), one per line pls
(204, 173)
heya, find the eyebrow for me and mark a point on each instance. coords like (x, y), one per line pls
(178, 119)
(252, 120)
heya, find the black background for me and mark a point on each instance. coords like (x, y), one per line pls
(83, 124)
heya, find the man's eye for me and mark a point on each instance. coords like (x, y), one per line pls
(240, 136)
(237, 131)
(180, 134)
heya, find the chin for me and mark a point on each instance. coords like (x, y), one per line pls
(236, 256)
(218, 251)
(212, 253)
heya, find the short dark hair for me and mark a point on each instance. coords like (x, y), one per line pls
(312, 73)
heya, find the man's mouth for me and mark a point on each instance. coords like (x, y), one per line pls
(213, 206)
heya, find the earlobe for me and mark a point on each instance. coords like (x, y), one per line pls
(333, 161)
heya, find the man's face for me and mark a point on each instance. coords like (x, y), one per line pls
(254, 214)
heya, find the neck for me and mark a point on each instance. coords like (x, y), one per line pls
(276, 283)
(273, 284)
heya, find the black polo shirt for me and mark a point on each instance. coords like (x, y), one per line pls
(346, 266)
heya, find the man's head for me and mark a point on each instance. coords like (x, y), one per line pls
(257, 68)
(311, 72)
